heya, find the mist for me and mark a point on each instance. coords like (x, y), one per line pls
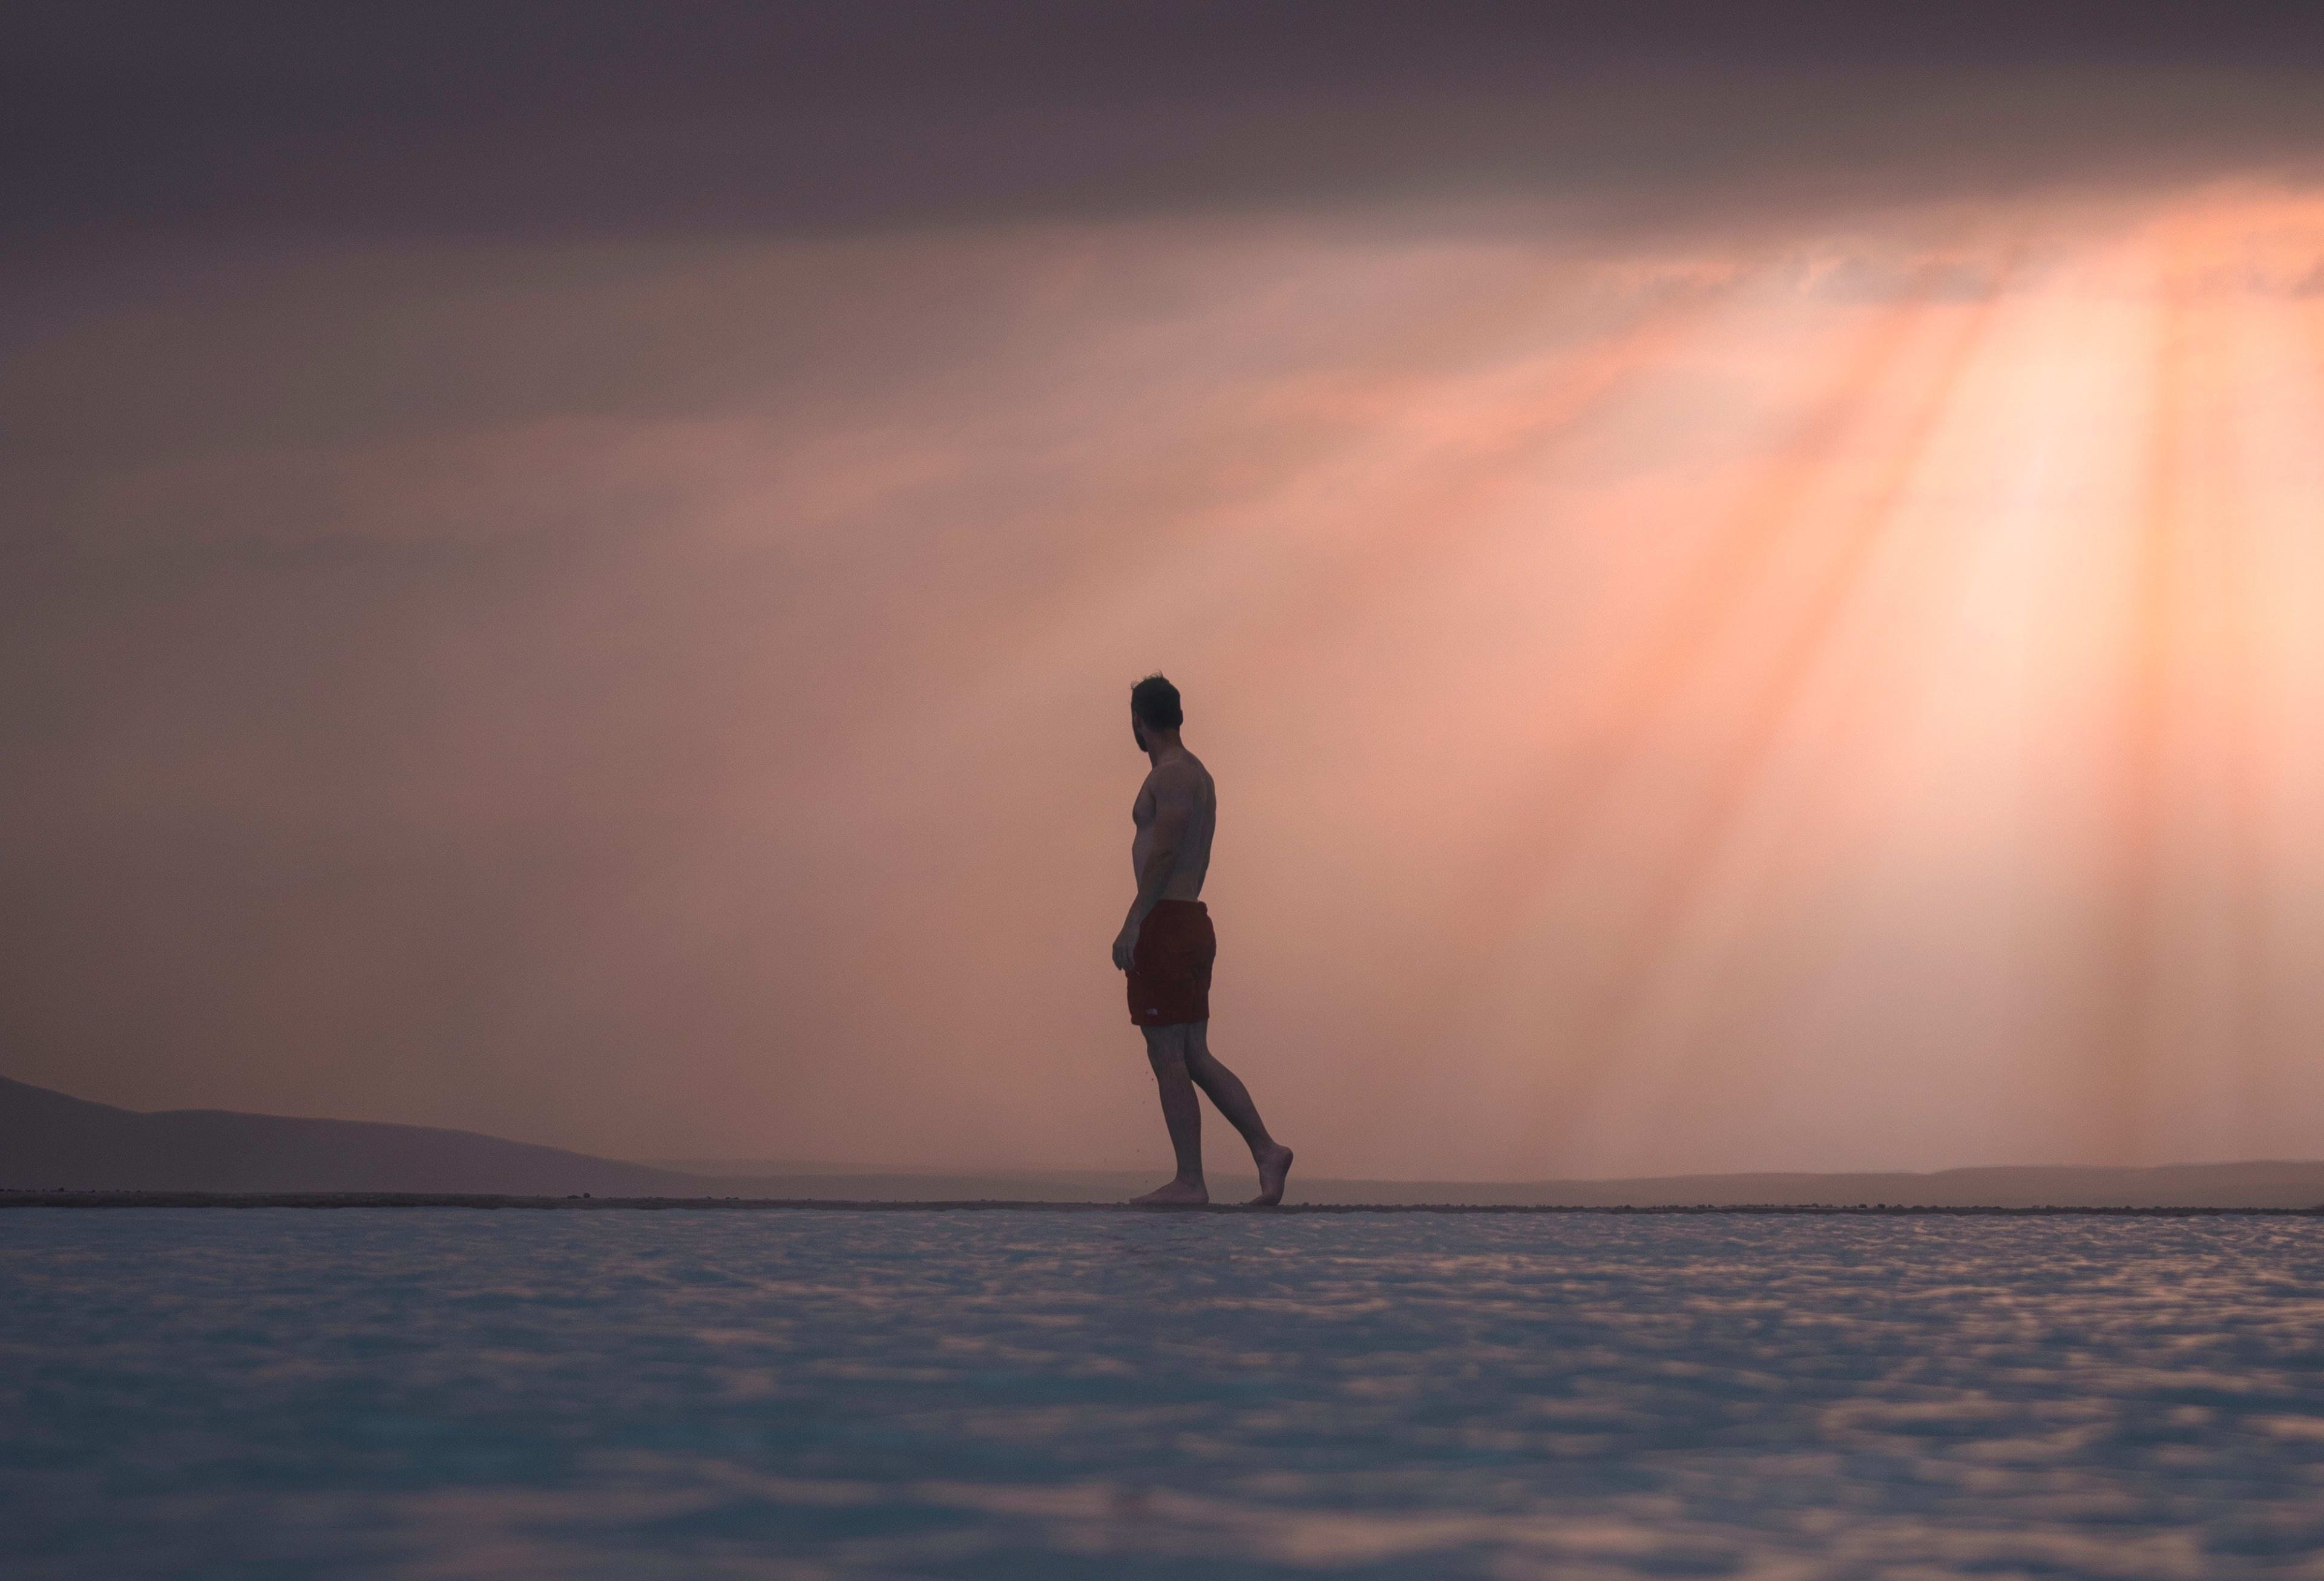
(1793, 653)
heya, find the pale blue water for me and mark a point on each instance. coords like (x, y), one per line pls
(448, 1393)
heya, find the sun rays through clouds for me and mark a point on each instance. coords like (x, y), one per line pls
(1814, 694)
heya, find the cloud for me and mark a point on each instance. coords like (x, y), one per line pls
(587, 122)
(591, 601)
(1858, 279)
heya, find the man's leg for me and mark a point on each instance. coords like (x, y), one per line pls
(1226, 1089)
(1181, 1111)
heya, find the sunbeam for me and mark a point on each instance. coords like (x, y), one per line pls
(1686, 700)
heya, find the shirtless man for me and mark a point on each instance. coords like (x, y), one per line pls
(1167, 947)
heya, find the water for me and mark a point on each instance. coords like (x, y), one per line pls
(448, 1393)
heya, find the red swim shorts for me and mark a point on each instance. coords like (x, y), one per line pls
(1170, 969)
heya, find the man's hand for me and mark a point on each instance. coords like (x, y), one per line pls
(1125, 945)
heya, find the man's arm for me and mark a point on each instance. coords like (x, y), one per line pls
(1174, 807)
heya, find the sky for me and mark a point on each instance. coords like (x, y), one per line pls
(1748, 575)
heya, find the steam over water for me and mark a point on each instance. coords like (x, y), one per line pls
(454, 1393)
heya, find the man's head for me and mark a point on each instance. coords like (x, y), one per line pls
(1154, 709)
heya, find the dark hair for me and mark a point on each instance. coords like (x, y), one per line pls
(1154, 702)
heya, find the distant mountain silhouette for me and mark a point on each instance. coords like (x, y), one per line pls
(2184, 1185)
(48, 1140)
(2180, 1185)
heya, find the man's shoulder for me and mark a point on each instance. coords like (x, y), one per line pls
(1180, 773)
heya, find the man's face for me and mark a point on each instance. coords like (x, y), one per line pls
(1137, 731)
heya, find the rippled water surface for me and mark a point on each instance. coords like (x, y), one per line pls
(450, 1393)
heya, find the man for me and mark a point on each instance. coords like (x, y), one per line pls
(1167, 947)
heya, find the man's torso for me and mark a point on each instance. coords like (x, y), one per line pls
(1193, 858)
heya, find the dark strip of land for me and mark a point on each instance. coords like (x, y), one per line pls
(830, 1205)
(60, 1150)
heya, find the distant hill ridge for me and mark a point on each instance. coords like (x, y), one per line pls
(47, 1139)
(50, 1140)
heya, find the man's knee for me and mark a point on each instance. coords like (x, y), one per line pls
(1194, 1044)
(1168, 1047)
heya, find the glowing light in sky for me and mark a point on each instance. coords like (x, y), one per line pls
(1990, 626)
(1681, 703)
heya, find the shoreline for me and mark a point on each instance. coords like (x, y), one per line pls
(489, 1202)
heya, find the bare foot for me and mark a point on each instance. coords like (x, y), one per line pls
(1178, 1193)
(1274, 1164)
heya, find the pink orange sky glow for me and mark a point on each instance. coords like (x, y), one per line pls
(1834, 694)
